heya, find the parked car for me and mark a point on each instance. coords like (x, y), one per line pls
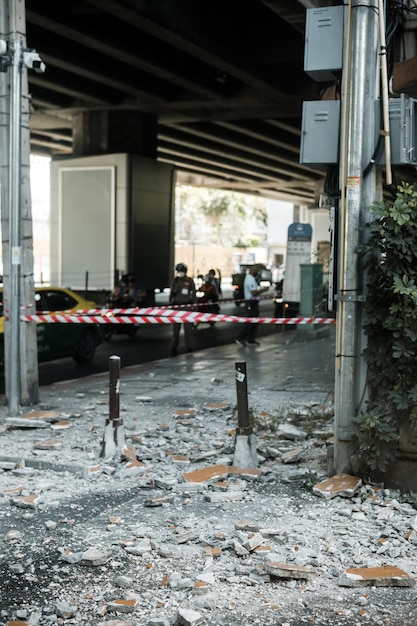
(264, 276)
(62, 340)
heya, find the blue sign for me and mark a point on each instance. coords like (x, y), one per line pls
(299, 232)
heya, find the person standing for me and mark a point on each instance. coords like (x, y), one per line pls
(182, 292)
(252, 293)
(217, 282)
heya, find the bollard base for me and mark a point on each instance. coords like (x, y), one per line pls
(245, 454)
(113, 441)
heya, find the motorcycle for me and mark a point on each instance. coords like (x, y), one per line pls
(123, 297)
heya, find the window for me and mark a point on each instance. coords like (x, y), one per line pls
(58, 301)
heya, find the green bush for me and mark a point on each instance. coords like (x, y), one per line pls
(374, 440)
(391, 324)
(390, 255)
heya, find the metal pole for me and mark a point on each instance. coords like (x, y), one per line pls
(243, 420)
(114, 437)
(359, 133)
(114, 390)
(245, 454)
(13, 393)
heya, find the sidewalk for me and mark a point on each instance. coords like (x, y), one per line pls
(172, 533)
(281, 372)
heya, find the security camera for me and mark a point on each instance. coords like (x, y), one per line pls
(33, 61)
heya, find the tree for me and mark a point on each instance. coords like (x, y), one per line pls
(220, 218)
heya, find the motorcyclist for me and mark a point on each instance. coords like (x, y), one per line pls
(182, 292)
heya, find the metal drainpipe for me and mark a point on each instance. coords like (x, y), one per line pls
(358, 102)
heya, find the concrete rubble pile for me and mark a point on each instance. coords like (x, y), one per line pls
(172, 533)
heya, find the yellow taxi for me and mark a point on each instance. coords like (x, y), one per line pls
(78, 341)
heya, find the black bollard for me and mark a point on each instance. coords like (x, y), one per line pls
(114, 390)
(113, 439)
(245, 442)
(244, 426)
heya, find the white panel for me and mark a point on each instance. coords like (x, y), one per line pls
(86, 226)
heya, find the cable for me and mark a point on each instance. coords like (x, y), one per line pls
(399, 4)
(331, 182)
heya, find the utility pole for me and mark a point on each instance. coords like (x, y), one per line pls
(359, 133)
(21, 368)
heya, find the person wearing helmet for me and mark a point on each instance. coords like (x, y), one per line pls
(182, 293)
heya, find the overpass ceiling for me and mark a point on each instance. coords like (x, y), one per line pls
(224, 77)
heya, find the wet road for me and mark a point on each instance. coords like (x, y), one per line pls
(152, 343)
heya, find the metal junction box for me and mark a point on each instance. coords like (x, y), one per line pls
(320, 132)
(323, 52)
(321, 124)
(403, 131)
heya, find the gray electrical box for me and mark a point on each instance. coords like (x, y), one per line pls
(323, 52)
(403, 131)
(320, 132)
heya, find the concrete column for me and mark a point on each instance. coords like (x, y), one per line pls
(112, 132)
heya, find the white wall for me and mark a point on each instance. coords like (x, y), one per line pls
(280, 216)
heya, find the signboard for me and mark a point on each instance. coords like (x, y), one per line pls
(298, 252)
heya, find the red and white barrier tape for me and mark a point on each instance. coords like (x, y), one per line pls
(174, 318)
(163, 310)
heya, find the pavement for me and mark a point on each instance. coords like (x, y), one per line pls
(291, 367)
(170, 531)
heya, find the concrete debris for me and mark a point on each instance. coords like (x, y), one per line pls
(13, 535)
(246, 524)
(253, 541)
(20, 422)
(286, 570)
(224, 497)
(170, 532)
(292, 456)
(26, 502)
(115, 622)
(338, 485)
(156, 620)
(289, 431)
(188, 617)
(65, 609)
(48, 444)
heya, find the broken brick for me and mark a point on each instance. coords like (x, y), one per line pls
(207, 473)
(123, 606)
(26, 502)
(385, 576)
(338, 485)
(61, 425)
(184, 413)
(216, 406)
